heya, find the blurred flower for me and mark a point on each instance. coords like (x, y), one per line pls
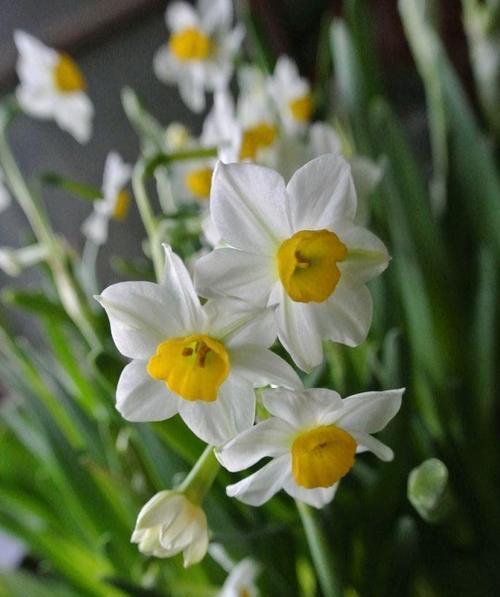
(169, 524)
(291, 94)
(5, 198)
(201, 48)
(312, 439)
(296, 247)
(115, 202)
(52, 86)
(202, 362)
(241, 580)
(14, 261)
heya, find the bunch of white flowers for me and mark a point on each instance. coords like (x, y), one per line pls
(281, 206)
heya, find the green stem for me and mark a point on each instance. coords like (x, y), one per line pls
(39, 223)
(149, 220)
(196, 485)
(320, 552)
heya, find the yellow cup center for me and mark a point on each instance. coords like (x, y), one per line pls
(122, 204)
(301, 108)
(67, 76)
(322, 456)
(257, 137)
(194, 367)
(307, 264)
(199, 182)
(190, 44)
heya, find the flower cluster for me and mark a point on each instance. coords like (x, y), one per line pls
(287, 259)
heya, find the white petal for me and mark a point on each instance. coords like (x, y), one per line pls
(302, 409)
(249, 208)
(37, 101)
(116, 175)
(366, 442)
(261, 367)
(34, 57)
(139, 397)
(241, 580)
(197, 547)
(95, 227)
(179, 289)
(367, 255)
(192, 87)
(317, 498)
(324, 139)
(215, 14)
(238, 323)
(256, 489)
(298, 333)
(140, 317)
(162, 508)
(181, 15)
(321, 193)
(74, 114)
(366, 174)
(234, 273)
(346, 316)
(271, 438)
(369, 412)
(165, 65)
(219, 421)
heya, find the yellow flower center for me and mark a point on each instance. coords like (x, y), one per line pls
(194, 367)
(307, 265)
(67, 76)
(257, 137)
(244, 592)
(122, 204)
(199, 182)
(301, 108)
(322, 456)
(190, 44)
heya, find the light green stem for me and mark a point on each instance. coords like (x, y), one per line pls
(40, 225)
(197, 484)
(148, 218)
(320, 553)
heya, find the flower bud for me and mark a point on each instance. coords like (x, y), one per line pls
(169, 524)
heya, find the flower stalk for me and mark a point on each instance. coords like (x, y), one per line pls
(320, 553)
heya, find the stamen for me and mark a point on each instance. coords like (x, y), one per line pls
(187, 352)
(302, 262)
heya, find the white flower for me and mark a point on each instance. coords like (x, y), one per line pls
(241, 580)
(291, 94)
(312, 439)
(199, 54)
(5, 198)
(169, 524)
(14, 261)
(115, 202)
(52, 86)
(202, 362)
(296, 247)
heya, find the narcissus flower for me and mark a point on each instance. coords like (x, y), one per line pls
(52, 87)
(312, 439)
(200, 51)
(296, 247)
(291, 94)
(170, 524)
(115, 201)
(202, 362)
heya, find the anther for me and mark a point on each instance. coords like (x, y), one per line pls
(187, 351)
